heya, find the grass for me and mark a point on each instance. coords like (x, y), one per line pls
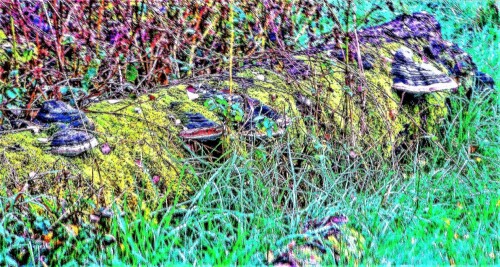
(439, 207)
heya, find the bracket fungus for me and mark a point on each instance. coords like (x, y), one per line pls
(418, 78)
(72, 142)
(63, 115)
(73, 138)
(200, 128)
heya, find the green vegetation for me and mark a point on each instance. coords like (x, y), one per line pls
(437, 203)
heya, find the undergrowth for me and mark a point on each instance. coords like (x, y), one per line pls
(442, 207)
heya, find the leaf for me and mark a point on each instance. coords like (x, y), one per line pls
(27, 55)
(64, 90)
(14, 109)
(210, 104)
(95, 63)
(131, 73)
(10, 94)
(266, 123)
(79, 90)
(207, 103)
(269, 133)
(68, 39)
(222, 101)
(258, 118)
(13, 73)
(260, 154)
(235, 106)
(9, 261)
(91, 73)
(303, 40)
(105, 149)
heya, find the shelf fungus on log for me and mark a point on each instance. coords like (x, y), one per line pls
(199, 128)
(72, 142)
(61, 114)
(418, 78)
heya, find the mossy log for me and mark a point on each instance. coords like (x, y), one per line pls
(335, 99)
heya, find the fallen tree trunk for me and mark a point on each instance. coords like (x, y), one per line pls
(147, 144)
